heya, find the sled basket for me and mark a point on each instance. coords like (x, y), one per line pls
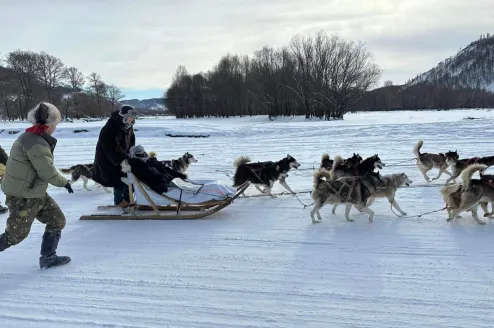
(185, 200)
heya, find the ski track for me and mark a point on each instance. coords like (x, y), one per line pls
(261, 262)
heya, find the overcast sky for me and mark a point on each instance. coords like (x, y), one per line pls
(138, 45)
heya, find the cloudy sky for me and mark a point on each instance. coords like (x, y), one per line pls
(138, 45)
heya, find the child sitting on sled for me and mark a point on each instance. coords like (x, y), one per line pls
(151, 172)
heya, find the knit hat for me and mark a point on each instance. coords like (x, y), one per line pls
(44, 113)
(127, 115)
(138, 152)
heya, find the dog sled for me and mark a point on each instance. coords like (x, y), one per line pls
(185, 200)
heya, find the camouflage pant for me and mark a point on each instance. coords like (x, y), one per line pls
(23, 211)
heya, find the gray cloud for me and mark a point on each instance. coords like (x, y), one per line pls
(140, 44)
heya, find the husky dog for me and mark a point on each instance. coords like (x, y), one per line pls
(389, 185)
(474, 191)
(327, 163)
(182, 163)
(428, 161)
(265, 176)
(153, 162)
(83, 171)
(350, 191)
(368, 165)
(452, 196)
(245, 169)
(458, 165)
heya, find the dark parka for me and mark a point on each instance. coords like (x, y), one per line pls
(155, 180)
(111, 150)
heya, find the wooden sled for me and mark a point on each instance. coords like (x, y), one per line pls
(178, 209)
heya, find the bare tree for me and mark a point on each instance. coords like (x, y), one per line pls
(75, 81)
(50, 73)
(98, 89)
(388, 83)
(25, 66)
(114, 95)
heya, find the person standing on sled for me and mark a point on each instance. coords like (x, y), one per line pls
(3, 161)
(29, 170)
(114, 142)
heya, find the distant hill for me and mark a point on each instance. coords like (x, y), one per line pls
(471, 67)
(156, 104)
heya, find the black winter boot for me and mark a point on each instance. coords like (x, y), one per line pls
(3, 242)
(49, 257)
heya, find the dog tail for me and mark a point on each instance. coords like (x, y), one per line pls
(467, 174)
(321, 174)
(241, 161)
(416, 149)
(67, 171)
(152, 154)
(338, 160)
(325, 157)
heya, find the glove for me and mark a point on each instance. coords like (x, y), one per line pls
(69, 188)
(125, 166)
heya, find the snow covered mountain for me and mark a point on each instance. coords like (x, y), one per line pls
(471, 67)
(146, 104)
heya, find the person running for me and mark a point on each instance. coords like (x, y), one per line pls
(28, 172)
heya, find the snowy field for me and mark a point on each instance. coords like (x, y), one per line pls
(261, 262)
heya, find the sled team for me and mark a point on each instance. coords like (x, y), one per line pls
(26, 173)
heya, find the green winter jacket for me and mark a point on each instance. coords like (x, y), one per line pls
(30, 167)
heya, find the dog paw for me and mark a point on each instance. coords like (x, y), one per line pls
(350, 220)
(316, 221)
(482, 222)
(403, 213)
(449, 219)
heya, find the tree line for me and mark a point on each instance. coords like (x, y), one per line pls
(321, 76)
(27, 78)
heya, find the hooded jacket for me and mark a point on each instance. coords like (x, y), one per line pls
(155, 180)
(111, 150)
(30, 167)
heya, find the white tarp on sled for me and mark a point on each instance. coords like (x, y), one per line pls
(191, 192)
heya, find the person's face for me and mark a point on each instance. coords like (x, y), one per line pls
(51, 129)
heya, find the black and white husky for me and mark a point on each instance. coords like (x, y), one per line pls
(82, 171)
(264, 173)
(180, 164)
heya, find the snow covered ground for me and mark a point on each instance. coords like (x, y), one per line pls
(261, 262)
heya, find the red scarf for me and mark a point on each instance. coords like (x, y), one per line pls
(38, 129)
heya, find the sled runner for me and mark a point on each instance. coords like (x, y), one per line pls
(185, 200)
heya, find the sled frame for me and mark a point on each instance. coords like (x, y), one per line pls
(203, 209)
